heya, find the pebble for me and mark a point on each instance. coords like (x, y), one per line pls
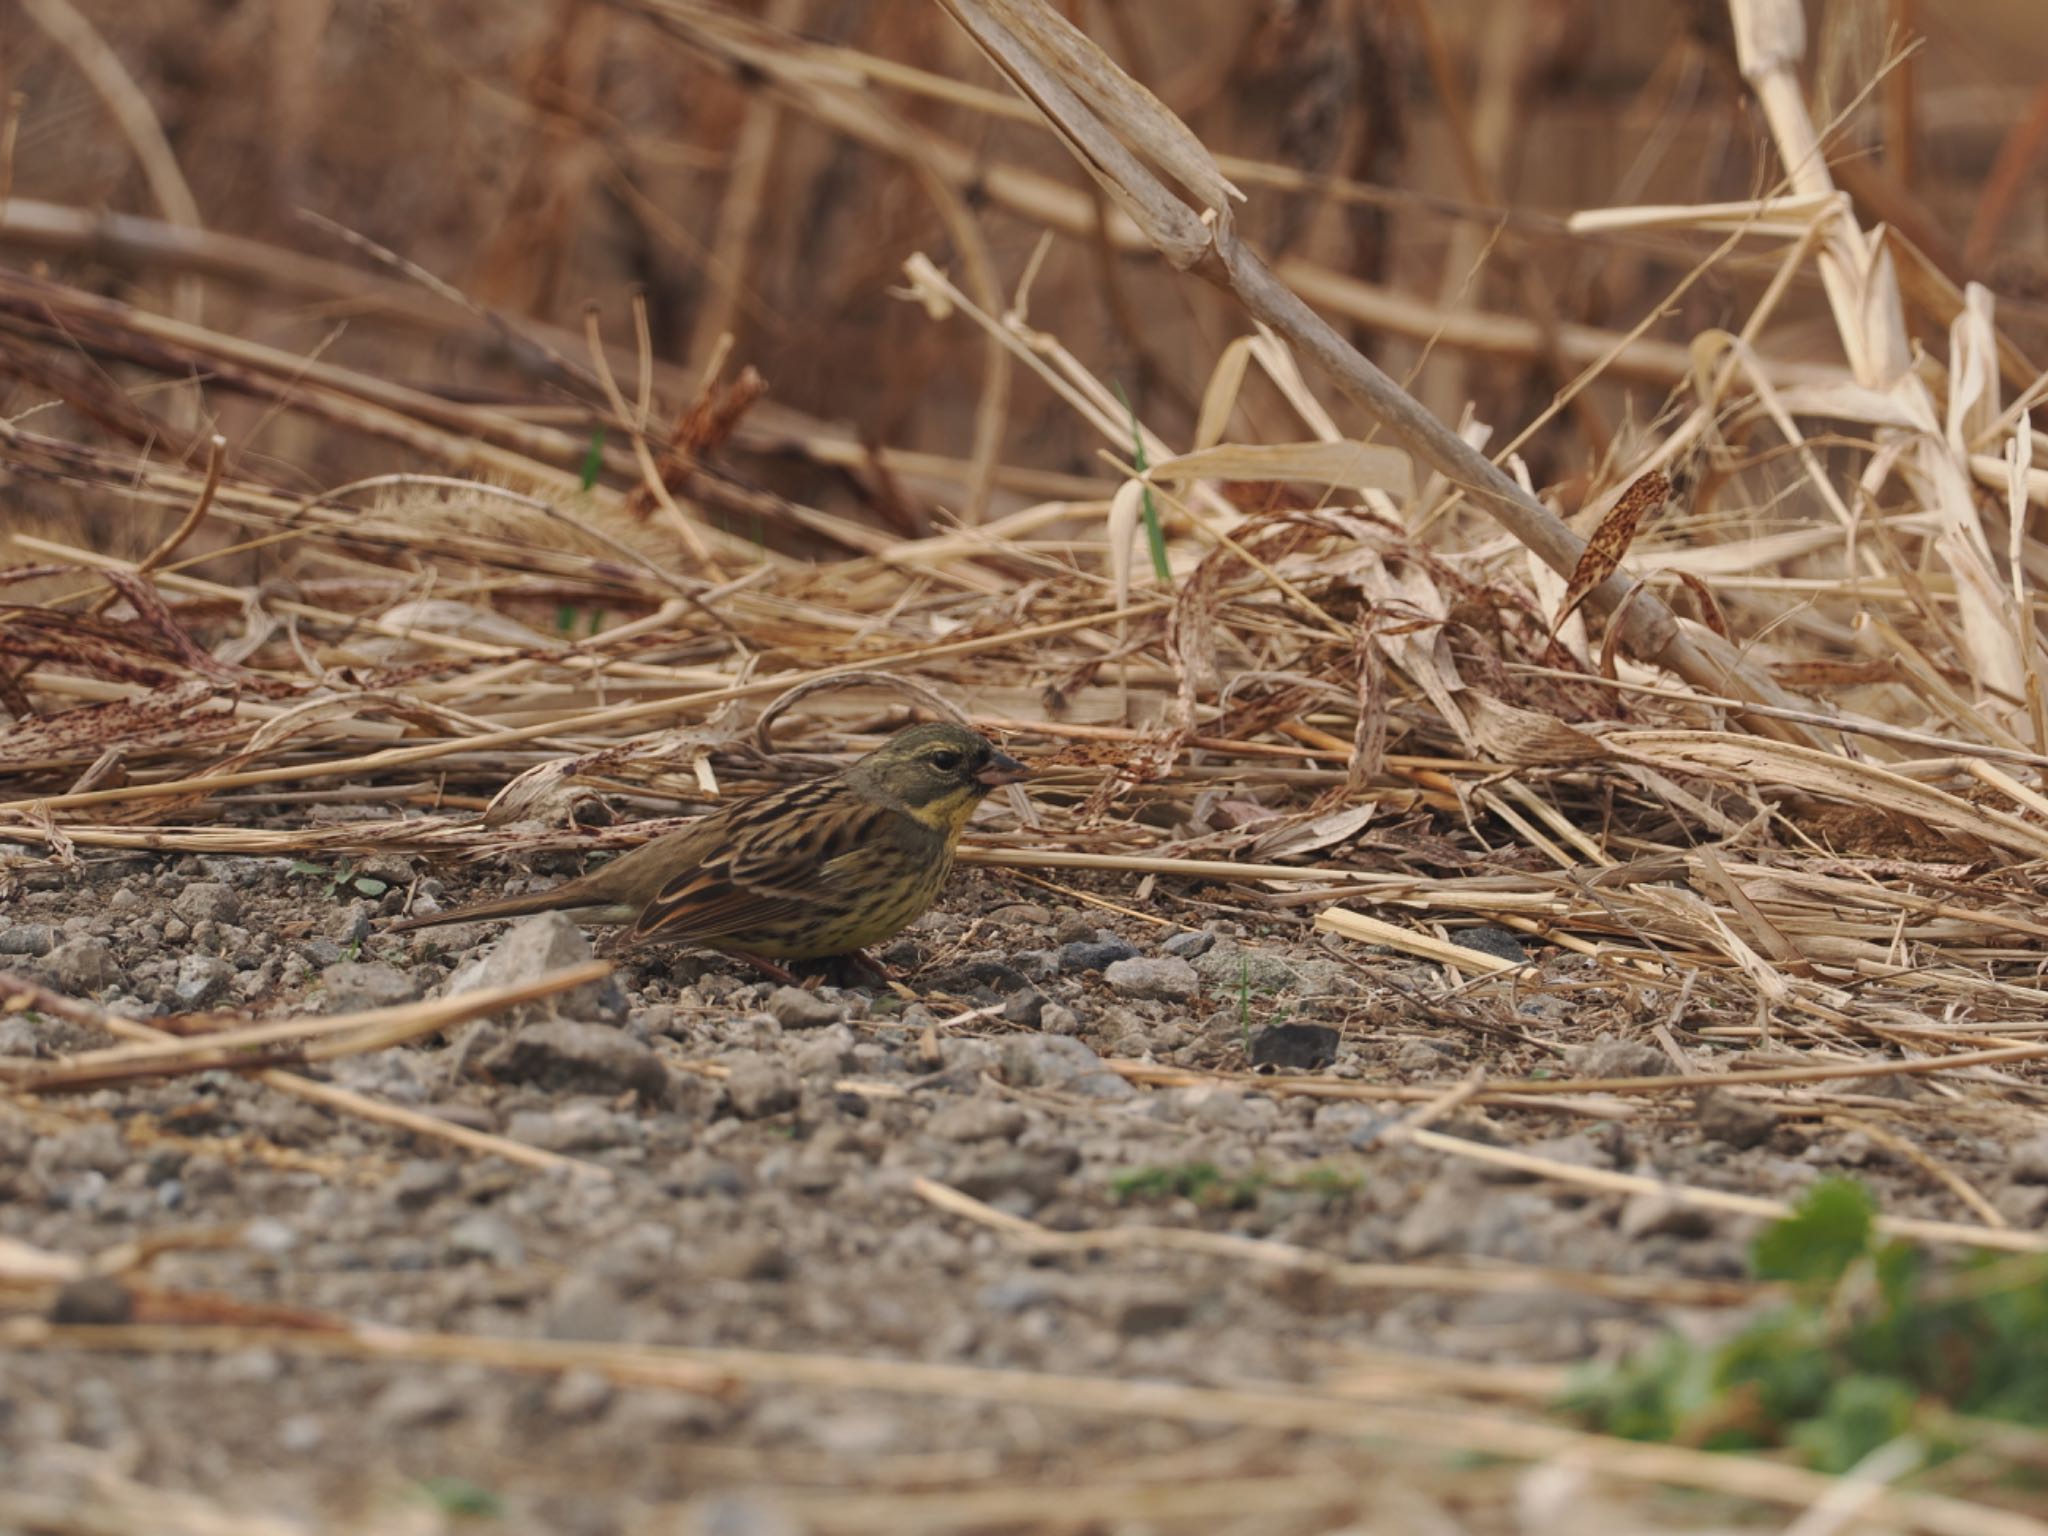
(997, 1174)
(758, 1089)
(97, 1300)
(1501, 943)
(207, 901)
(1656, 1214)
(980, 1119)
(349, 925)
(1166, 979)
(201, 978)
(1148, 1312)
(354, 986)
(28, 939)
(414, 1402)
(1060, 1062)
(1035, 964)
(423, 1180)
(1616, 1056)
(2030, 1161)
(1294, 1048)
(579, 1396)
(1058, 1019)
(1186, 946)
(1024, 1007)
(581, 1127)
(976, 976)
(18, 1037)
(828, 1053)
(586, 1306)
(1231, 967)
(797, 1008)
(1742, 1123)
(1095, 954)
(83, 965)
(566, 1057)
(529, 950)
(487, 1237)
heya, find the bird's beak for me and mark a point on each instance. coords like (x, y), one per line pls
(1000, 770)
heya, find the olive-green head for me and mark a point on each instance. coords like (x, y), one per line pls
(938, 773)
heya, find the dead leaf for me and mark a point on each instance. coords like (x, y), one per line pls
(1610, 541)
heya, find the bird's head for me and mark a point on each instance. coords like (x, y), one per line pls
(938, 773)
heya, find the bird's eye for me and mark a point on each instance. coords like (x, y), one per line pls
(946, 760)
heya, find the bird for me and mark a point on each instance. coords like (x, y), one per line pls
(812, 872)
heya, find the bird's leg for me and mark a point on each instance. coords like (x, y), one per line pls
(766, 967)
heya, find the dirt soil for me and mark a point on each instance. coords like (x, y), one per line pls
(764, 1147)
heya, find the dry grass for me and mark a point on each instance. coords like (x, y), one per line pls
(1778, 786)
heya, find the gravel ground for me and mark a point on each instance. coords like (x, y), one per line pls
(765, 1144)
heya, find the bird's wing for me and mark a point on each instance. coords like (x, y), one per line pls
(783, 859)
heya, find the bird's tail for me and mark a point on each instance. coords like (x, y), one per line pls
(509, 906)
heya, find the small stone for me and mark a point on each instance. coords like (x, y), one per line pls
(1501, 943)
(1047, 1061)
(976, 976)
(531, 949)
(796, 1008)
(1356, 1125)
(207, 901)
(355, 986)
(1024, 1007)
(1150, 1312)
(28, 939)
(1027, 913)
(1095, 955)
(415, 1402)
(1166, 978)
(1035, 964)
(320, 952)
(124, 899)
(2030, 1161)
(1614, 1056)
(1186, 946)
(566, 1057)
(1058, 1019)
(758, 1089)
(586, 1306)
(487, 1237)
(348, 926)
(1743, 1123)
(748, 1258)
(579, 1396)
(97, 1301)
(201, 978)
(423, 1180)
(1231, 968)
(83, 965)
(828, 1053)
(1074, 927)
(579, 1127)
(1008, 1173)
(18, 1037)
(1656, 1214)
(1293, 1048)
(980, 1119)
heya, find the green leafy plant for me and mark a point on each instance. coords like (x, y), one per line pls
(341, 879)
(593, 459)
(1155, 535)
(1873, 1343)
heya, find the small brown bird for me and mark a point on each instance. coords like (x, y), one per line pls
(819, 869)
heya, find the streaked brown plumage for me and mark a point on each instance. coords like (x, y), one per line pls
(803, 873)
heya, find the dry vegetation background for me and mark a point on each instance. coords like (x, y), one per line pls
(396, 399)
